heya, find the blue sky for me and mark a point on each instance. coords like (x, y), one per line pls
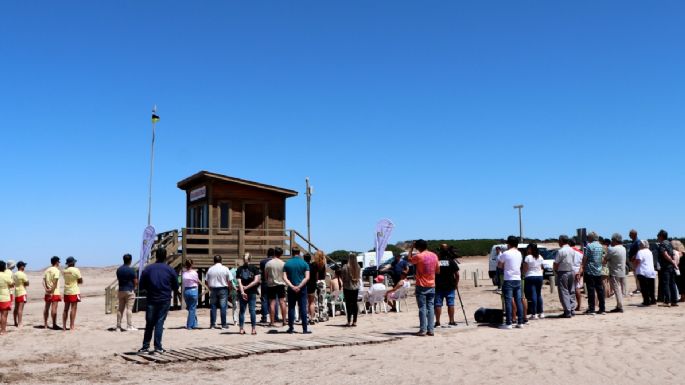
(438, 115)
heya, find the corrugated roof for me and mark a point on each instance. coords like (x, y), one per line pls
(185, 183)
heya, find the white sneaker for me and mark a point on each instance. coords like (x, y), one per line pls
(541, 315)
(519, 326)
(131, 329)
(505, 326)
(535, 316)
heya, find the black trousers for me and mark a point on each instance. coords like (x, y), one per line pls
(647, 290)
(351, 304)
(667, 284)
(594, 286)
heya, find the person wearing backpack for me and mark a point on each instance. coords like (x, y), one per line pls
(249, 279)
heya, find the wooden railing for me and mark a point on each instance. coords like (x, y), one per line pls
(168, 240)
(201, 244)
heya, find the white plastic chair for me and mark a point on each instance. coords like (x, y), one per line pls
(401, 295)
(377, 297)
(336, 300)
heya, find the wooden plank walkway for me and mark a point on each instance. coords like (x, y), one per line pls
(228, 352)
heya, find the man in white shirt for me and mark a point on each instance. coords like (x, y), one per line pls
(577, 261)
(616, 259)
(563, 266)
(510, 261)
(218, 280)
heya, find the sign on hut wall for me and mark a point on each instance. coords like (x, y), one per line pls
(198, 193)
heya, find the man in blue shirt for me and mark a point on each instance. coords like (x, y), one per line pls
(592, 267)
(296, 275)
(159, 280)
(128, 281)
(396, 268)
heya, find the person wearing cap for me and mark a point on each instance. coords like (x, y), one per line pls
(72, 293)
(6, 285)
(21, 281)
(379, 284)
(52, 294)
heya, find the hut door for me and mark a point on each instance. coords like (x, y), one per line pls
(255, 218)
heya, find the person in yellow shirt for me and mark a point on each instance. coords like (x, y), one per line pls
(6, 284)
(9, 271)
(72, 293)
(52, 297)
(21, 281)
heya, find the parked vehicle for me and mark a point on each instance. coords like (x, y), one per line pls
(547, 264)
(372, 271)
(492, 260)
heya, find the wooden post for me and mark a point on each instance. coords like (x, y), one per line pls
(241, 243)
(184, 236)
(108, 298)
(292, 241)
(475, 279)
(551, 284)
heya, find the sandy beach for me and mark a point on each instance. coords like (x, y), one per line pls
(642, 345)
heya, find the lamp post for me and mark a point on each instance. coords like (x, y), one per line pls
(309, 202)
(519, 207)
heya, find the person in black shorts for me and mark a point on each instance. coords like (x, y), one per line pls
(275, 291)
(446, 283)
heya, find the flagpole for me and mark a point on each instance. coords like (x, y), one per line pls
(152, 162)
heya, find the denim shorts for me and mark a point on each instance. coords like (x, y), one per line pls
(446, 294)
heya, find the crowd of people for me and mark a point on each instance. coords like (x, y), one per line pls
(600, 268)
(13, 286)
(293, 284)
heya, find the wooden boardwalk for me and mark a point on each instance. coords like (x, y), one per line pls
(228, 352)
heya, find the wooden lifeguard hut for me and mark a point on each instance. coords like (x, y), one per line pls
(225, 216)
(229, 216)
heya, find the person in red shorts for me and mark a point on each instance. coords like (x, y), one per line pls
(6, 284)
(72, 293)
(21, 281)
(52, 297)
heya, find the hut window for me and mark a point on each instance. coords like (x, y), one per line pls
(225, 216)
(199, 221)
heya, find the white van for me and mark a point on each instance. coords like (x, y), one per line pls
(369, 258)
(546, 263)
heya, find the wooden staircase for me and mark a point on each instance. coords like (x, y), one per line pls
(202, 244)
(167, 240)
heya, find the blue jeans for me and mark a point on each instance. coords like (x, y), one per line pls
(252, 303)
(190, 296)
(301, 300)
(425, 298)
(534, 293)
(667, 281)
(512, 288)
(218, 295)
(155, 315)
